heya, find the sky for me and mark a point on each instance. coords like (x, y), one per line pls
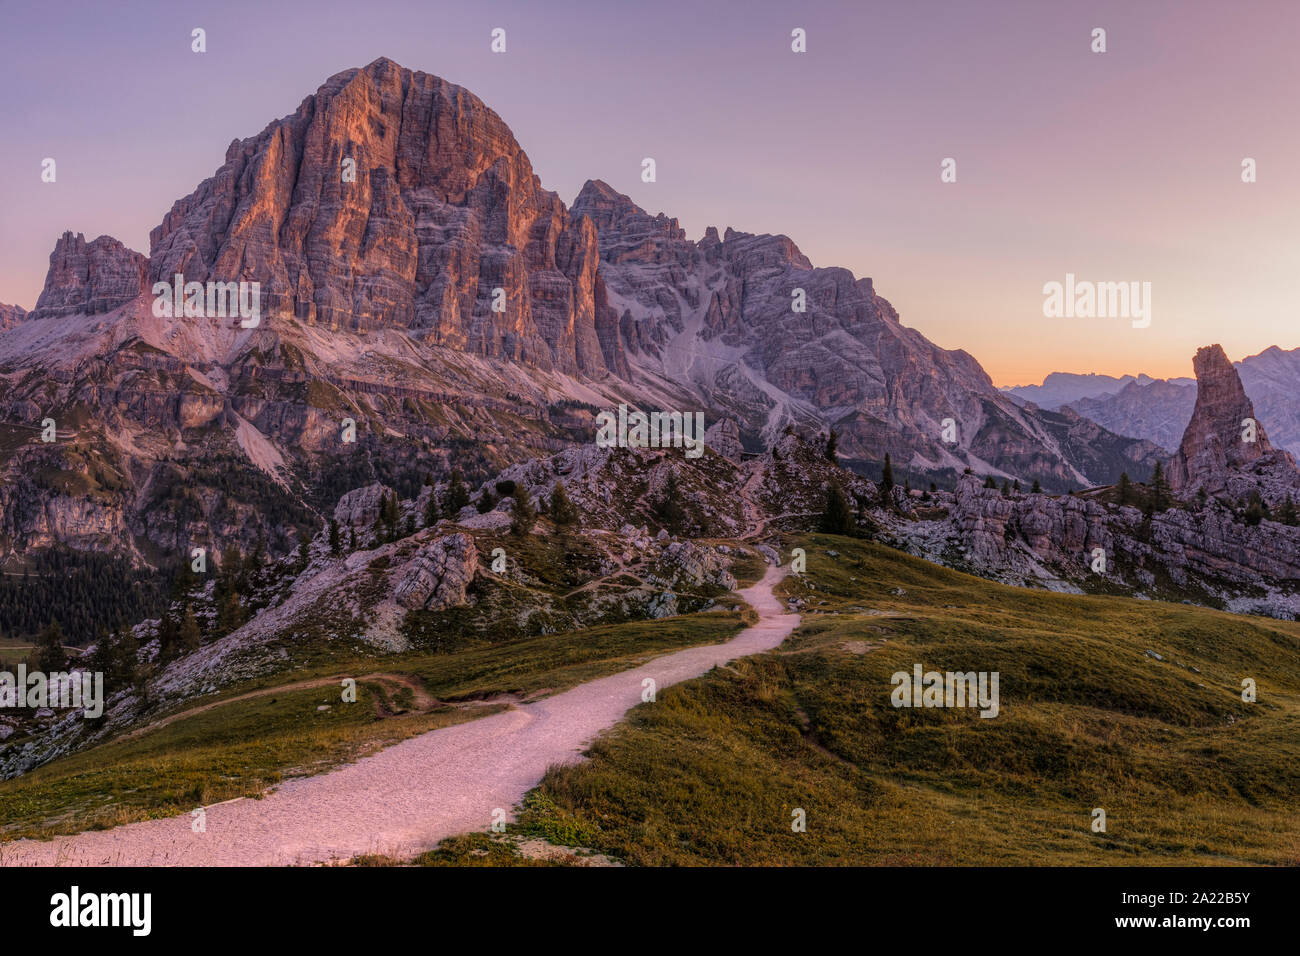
(1122, 166)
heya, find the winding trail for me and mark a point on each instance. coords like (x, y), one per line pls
(408, 797)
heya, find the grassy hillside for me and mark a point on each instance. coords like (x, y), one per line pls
(1186, 772)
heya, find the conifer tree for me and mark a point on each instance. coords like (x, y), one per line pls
(50, 655)
(522, 514)
(562, 510)
(455, 497)
(668, 510)
(836, 516)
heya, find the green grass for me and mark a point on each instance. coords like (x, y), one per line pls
(1187, 774)
(241, 747)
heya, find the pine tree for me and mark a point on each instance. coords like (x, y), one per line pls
(832, 448)
(668, 510)
(1006, 488)
(562, 510)
(50, 655)
(1159, 488)
(304, 552)
(1124, 489)
(189, 637)
(352, 538)
(455, 497)
(836, 517)
(431, 510)
(887, 477)
(334, 537)
(1287, 513)
(1015, 486)
(100, 660)
(1256, 510)
(989, 482)
(1037, 489)
(522, 514)
(486, 501)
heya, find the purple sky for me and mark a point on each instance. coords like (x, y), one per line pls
(1115, 167)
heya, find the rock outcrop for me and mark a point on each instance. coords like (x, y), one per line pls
(1225, 449)
(438, 575)
(1208, 551)
(723, 437)
(359, 508)
(11, 315)
(90, 278)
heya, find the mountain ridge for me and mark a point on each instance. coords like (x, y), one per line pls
(378, 296)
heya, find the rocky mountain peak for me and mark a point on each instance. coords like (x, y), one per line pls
(395, 199)
(90, 277)
(1224, 443)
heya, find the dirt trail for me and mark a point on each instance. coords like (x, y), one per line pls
(409, 796)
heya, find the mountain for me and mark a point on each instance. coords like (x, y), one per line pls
(1272, 380)
(1060, 388)
(419, 286)
(1158, 410)
(1225, 450)
(90, 278)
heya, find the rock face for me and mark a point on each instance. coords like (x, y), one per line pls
(1204, 551)
(360, 508)
(724, 438)
(444, 209)
(90, 278)
(11, 315)
(438, 575)
(1220, 452)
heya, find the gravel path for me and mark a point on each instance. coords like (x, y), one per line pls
(406, 798)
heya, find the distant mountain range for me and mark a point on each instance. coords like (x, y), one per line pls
(1158, 410)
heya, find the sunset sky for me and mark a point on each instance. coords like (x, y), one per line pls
(1122, 166)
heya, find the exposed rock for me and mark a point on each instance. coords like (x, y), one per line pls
(444, 209)
(724, 438)
(90, 278)
(686, 562)
(11, 315)
(1217, 453)
(439, 574)
(360, 508)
